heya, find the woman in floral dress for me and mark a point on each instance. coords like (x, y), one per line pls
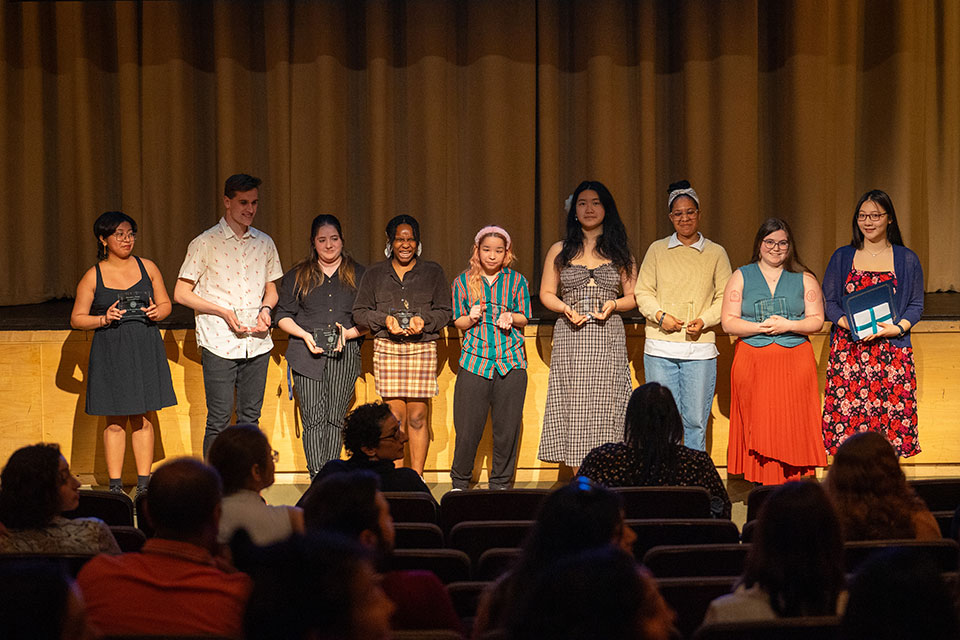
(872, 383)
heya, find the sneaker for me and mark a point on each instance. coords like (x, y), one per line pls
(140, 492)
(117, 489)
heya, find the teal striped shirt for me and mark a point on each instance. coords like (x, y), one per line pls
(485, 347)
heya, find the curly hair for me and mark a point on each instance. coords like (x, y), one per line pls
(870, 492)
(30, 487)
(362, 427)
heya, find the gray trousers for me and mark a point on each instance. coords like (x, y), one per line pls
(473, 397)
(224, 379)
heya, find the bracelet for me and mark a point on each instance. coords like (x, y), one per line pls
(902, 330)
(266, 306)
(103, 320)
(660, 322)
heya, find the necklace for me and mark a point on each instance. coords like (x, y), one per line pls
(878, 252)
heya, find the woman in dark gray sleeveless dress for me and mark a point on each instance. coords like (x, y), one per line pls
(128, 378)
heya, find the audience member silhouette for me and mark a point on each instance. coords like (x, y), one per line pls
(175, 585)
(39, 601)
(313, 587)
(351, 504)
(871, 494)
(795, 565)
(897, 594)
(36, 486)
(245, 460)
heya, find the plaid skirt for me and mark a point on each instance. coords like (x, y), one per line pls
(405, 369)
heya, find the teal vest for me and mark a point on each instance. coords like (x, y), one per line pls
(787, 298)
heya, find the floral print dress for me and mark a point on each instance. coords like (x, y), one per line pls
(871, 386)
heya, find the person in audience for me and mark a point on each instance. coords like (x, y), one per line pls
(897, 594)
(598, 593)
(318, 292)
(772, 305)
(491, 304)
(679, 291)
(39, 600)
(352, 504)
(871, 384)
(588, 278)
(36, 487)
(579, 516)
(175, 585)
(243, 457)
(121, 298)
(795, 564)
(373, 438)
(871, 494)
(652, 454)
(405, 303)
(320, 586)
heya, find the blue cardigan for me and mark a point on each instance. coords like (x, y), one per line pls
(907, 298)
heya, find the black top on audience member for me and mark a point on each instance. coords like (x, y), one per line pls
(797, 552)
(372, 437)
(30, 487)
(183, 502)
(598, 593)
(235, 452)
(309, 587)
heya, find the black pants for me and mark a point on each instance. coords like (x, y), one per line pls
(473, 397)
(225, 378)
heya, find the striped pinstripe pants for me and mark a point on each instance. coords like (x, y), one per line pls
(323, 405)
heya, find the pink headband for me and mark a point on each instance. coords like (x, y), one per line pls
(492, 229)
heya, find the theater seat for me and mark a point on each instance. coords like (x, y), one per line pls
(116, 509)
(806, 628)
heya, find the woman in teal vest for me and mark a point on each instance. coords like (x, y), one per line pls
(772, 305)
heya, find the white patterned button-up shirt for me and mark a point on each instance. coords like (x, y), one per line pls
(233, 273)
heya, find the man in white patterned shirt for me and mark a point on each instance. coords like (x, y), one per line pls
(228, 279)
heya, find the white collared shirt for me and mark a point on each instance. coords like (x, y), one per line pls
(232, 272)
(674, 241)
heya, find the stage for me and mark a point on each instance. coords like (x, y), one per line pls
(43, 367)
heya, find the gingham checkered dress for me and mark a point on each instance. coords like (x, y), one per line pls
(589, 383)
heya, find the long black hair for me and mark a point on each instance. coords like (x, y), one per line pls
(882, 200)
(653, 428)
(612, 244)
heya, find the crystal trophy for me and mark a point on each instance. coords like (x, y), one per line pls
(248, 318)
(133, 303)
(767, 307)
(682, 311)
(327, 336)
(404, 313)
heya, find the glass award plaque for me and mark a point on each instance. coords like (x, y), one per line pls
(767, 307)
(133, 303)
(326, 337)
(682, 311)
(248, 318)
(404, 313)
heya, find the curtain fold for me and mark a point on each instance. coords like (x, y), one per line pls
(469, 113)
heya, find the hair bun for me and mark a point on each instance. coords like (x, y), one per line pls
(682, 184)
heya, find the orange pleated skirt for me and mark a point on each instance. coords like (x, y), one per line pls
(775, 430)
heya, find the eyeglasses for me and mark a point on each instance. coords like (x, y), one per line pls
(275, 455)
(773, 244)
(119, 236)
(394, 435)
(679, 215)
(874, 217)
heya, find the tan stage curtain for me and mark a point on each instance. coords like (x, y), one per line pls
(468, 113)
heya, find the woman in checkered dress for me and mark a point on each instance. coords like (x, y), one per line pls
(586, 278)
(405, 303)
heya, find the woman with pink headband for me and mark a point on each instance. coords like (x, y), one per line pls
(491, 304)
